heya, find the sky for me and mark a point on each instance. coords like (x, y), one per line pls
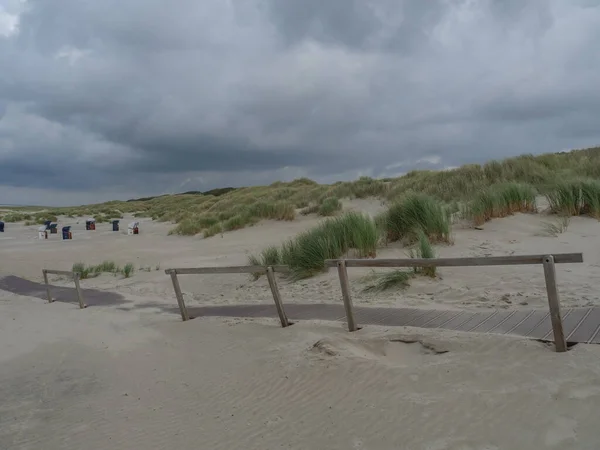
(116, 99)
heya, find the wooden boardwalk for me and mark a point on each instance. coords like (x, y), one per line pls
(581, 325)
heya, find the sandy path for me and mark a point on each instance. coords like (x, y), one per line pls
(99, 379)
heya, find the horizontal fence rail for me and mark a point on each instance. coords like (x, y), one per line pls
(267, 270)
(559, 258)
(76, 277)
(227, 269)
(548, 262)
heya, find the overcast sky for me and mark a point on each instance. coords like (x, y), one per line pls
(105, 99)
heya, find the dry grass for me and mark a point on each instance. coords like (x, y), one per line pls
(195, 213)
(556, 227)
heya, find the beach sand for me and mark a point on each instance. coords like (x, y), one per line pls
(131, 375)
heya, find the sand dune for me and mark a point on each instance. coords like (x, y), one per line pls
(131, 375)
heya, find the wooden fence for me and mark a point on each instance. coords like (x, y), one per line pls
(548, 262)
(268, 270)
(74, 275)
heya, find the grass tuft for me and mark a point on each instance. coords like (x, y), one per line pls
(557, 227)
(84, 271)
(213, 230)
(331, 239)
(330, 206)
(423, 249)
(128, 270)
(92, 271)
(416, 212)
(379, 282)
(501, 200)
(270, 256)
(575, 197)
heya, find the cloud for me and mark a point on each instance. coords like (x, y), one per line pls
(125, 97)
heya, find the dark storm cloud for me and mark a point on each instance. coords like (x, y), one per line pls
(151, 96)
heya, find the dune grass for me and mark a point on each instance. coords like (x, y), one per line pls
(554, 228)
(213, 230)
(379, 282)
(14, 216)
(351, 233)
(270, 256)
(400, 279)
(423, 250)
(127, 270)
(330, 206)
(501, 200)
(575, 197)
(91, 271)
(326, 206)
(192, 212)
(403, 220)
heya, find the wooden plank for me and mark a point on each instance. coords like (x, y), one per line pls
(594, 339)
(586, 328)
(559, 258)
(497, 321)
(345, 285)
(59, 272)
(570, 322)
(179, 295)
(47, 285)
(393, 316)
(226, 269)
(531, 323)
(489, 322)
(582, 324)
(439, 321)
(459, 320)
(477, 319)
(554, 303)
(78, 289)
(420, 321)
(277, 297)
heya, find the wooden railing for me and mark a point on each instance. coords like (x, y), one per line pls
(548, 262)
(75, 275)
(268, 270)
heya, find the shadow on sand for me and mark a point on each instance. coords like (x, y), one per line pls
(92, 297)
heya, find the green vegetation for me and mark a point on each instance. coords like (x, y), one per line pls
(332, 238)
(501, 200)
(270, 256)
(330, 206)
(400, 279)
(212, 230)
(92, 271)
(483, 192)
(127, 270)
(416, 212)
(575, 197)
(423, 250)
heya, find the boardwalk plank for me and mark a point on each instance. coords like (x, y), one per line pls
(587, 328)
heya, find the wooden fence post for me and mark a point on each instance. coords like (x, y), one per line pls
(184, 312)
(277, 297)
(47, 285)
(76, 276)
(554, 303)
(343, 273)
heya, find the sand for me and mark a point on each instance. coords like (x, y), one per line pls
(132, 375)
(489, 287)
